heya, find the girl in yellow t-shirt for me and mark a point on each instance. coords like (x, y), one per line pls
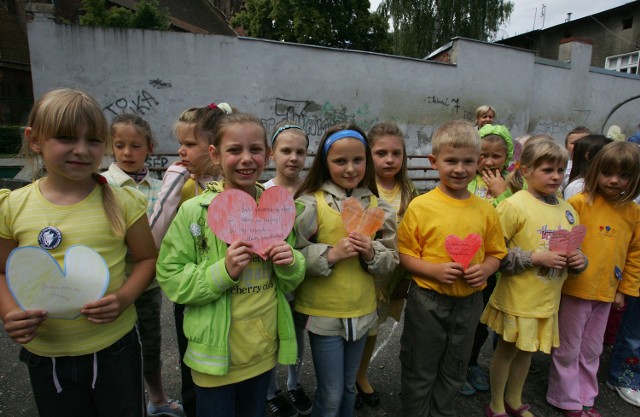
(336, 302)
(397, 189)
(77, 365)
(612, 244)
(523, 308)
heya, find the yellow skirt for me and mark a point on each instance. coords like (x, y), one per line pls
(530, 334)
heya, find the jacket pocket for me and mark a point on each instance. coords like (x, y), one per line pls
(252, 341)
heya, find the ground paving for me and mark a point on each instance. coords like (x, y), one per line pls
(16, 399)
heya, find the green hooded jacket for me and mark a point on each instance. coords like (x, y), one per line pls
(191, 271)
(503, 132)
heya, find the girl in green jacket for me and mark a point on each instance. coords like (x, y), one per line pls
(237, 320)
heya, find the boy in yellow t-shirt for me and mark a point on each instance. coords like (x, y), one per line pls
(445, 300)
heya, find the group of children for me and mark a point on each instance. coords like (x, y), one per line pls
(238, 312)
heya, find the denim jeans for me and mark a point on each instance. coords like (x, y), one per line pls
(116, 370)
(247, 398)
(624, 368)
(293, 371)
(336, 363)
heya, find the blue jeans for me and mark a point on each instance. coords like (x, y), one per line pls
(247, 398)
(293, 371)
(117, 371)
(336, 363)
(624, 369)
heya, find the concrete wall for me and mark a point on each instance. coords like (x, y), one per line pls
(159, 74)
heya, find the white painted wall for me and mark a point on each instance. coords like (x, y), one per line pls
(159, 74)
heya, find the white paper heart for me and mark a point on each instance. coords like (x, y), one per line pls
(37, 282)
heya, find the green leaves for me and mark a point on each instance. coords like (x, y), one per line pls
(346, 24)
(421, 26)
(148, 15)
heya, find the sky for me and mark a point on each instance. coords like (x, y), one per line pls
(526, 15)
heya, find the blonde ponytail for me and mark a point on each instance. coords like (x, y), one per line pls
(111, 207)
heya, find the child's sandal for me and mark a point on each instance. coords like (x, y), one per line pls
(518, 411)
(490, 413)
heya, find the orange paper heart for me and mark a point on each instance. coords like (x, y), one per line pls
(463, 251)
(358, 220)
(233, 215)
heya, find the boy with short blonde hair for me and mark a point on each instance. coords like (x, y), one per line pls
(444, 303)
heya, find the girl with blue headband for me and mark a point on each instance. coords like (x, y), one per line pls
(336, 301)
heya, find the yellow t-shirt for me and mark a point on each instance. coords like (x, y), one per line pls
(482, 189)
(528, 224)
(433, 216)
(25, 212)
(392, 196)
(190, 189)
(612, 241)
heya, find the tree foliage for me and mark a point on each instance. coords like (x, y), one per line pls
(420, 26)
(344, 24)
(148, 15)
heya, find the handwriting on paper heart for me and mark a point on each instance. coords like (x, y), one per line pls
(356, 219)
(233, 215)
(37, 282)
(462, 251)
(565, 241)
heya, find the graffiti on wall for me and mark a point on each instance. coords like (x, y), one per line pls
(313, 117)
(159, 84)
(445, 101)
(140, 104)
(559, 128)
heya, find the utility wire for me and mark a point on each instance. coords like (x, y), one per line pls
(636, 45)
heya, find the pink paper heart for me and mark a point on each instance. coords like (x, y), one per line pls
(356, 219)
(233, 215)
(565, 241)
(463, 251)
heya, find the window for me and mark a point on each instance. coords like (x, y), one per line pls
(627, 63)
(627, 23)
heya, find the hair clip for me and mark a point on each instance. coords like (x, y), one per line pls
(514, 167)
(101, 179)
(225, 107)
(213, 106)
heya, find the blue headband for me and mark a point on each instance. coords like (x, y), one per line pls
(340, 135)
(285, 127)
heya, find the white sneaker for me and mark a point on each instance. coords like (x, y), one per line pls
(630, 395)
